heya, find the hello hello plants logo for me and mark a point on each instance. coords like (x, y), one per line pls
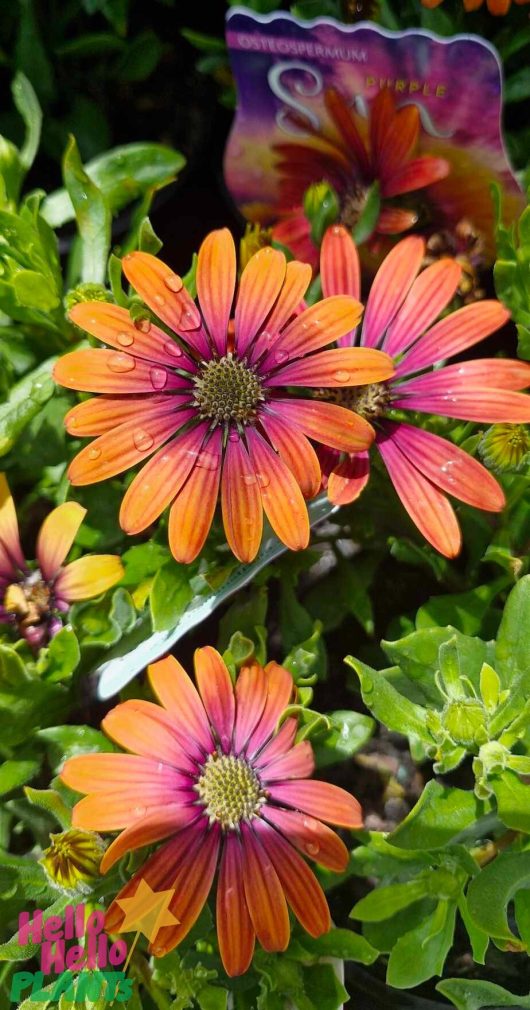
(82, 960)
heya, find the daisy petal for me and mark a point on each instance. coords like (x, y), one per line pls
(217, 693)
(103, 773)
(162, 290)
(310, 836)
(321, 324)
(177, 693)
(448, 467)
(382, 114)
(251, 695)
(475, 403)
(101, 371)
(340, 270)
(114, 326)
(149, 829)
(160, 480)
(192, 512)
(88, 576)
(328, 423)
(9, 535)
(340, 367)
(500, 372)
(241, 502)
(295, 285)
(429, 295)
(319, 799)
(279, 691)
(295, 450)
(234, 926)
(391, 284)
(146, 729)
(397, 143)
(125, 446)
(349, 479)
(301, 887)
(427, 507)
(259, 287)
(394, 220)
(57, 535)
(101, 413)
(264, 894)
(415, 174)
(455, 333)
(281, 496)
(216, 281)
(278, 744)
(342, 116)
(294, 232)
(298, 763)
(113, 811)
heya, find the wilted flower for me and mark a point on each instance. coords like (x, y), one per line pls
(351, 163)
(212, 408)
(401, 309)
(211, 772)
(36, 599)
(73, 857)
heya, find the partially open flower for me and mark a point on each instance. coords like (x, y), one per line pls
(35, 599)
(211, 772)
(210, 404)
(73, 857)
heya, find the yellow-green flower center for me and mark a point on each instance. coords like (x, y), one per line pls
(227, 390)
(369, 401)
(230, 790)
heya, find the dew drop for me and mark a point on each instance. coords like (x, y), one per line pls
(249, 479)
(312, 848)
(342, 375)
(158, 377)
(142, 440)
(144, 325)
(125, 339)
(263, 479)
(281, 357)
(266, 336)
(139, 811)
(208, 460)
(159, 299)
(94, 453)
(173, 282)
(121, 363)
(233, 436)
(173, 349)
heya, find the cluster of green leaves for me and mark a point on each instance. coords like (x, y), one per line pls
(512, 271)
(462, 853)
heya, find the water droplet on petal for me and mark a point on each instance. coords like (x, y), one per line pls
(342, 375)
(249, 479)
(173, 282)
(312, 848)
(208, 460)
(281, 357)
(158, 377)
(233, 436)
(159, 299)
(266, 336)
(144, 325)
(173, 349)
(121, 362)
(142, 440)
(263, 479)
(125, 339)
(139, 811)
(94, 453)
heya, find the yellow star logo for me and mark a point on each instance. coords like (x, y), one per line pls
(146, 912)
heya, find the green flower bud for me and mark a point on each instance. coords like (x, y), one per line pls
(86, 293)
(465, 722)
(321, 207)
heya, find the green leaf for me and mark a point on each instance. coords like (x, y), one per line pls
(27, 104)
(367, 221)
(170, 594)
(92, 214)
(24, 402)
(513, 800)
(492, 890)
(343, 944)
(60, 659)
(14, 774)
(140, 58)
(517, 86)
(384, 902)
(421, 953)
(33, 291)
(467, 994)
(123, 174)
(143, 560)
(388, 705)
(440, 814)
(349, 732)
(464, 611)
(512, 651)
(322, 988)
(52, 802)
(478, 938)
(212, 998)
(64, 742)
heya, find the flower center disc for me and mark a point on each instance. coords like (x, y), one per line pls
(28, 601)
(368, 401)
(229, 789)
(227, 390)
(353, 205)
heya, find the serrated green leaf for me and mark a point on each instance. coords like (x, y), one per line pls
(421, 953)
(440, 814)
(491, 891)
(470, 994)
(349, 732)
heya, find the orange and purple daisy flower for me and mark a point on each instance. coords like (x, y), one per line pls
(351, 163)
(211, 772)
(400, 317)
(497, 7)
(209, 403)
(35, 599)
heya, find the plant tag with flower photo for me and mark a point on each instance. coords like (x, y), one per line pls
(405, 126)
